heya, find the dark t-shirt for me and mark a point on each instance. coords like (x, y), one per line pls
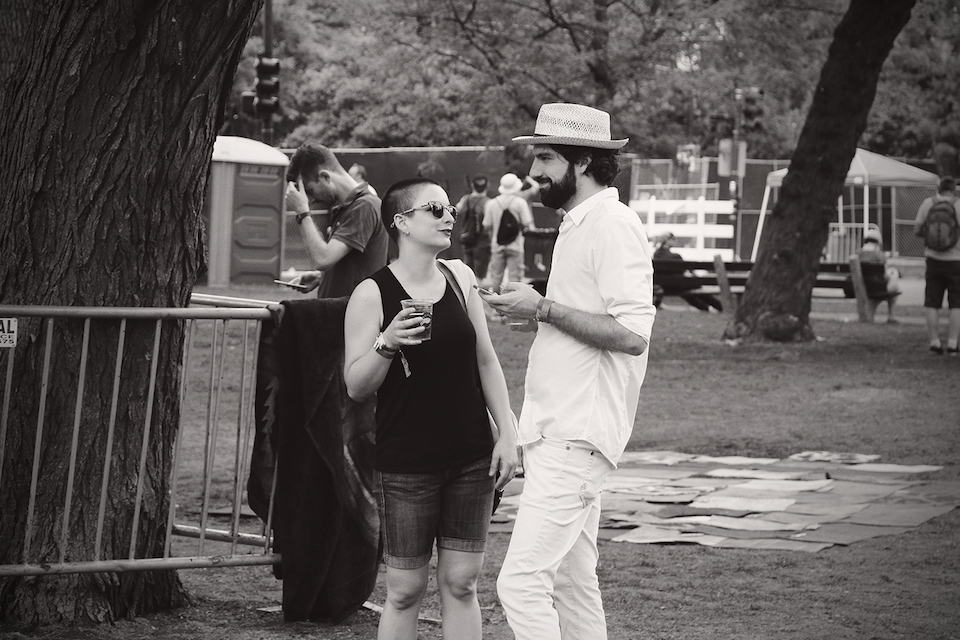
(357, 225)
(434, 419)
(471, 212)
(670, 272)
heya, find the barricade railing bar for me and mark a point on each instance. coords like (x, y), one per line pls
(217, 386)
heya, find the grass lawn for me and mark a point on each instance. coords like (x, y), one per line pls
(859, 388)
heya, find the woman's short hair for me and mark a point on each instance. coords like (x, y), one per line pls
(398, 198)
(604, 163)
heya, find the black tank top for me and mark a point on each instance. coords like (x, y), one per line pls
(435, 418)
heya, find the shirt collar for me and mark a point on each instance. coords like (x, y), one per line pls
(579, 212)
(355, 193)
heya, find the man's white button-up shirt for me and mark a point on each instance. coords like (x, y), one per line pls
(601, 264)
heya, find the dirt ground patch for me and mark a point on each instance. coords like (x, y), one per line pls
(870, 389)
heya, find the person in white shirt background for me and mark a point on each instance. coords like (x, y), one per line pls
(506, 256)
(586, 366)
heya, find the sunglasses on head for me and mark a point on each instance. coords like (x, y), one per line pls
(436, 208)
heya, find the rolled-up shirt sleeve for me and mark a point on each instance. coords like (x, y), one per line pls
(624, 272)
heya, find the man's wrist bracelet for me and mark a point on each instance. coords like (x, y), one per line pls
(543, 310)
(301, 216)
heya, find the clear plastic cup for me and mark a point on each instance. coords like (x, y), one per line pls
(424, 310)
(521, 324)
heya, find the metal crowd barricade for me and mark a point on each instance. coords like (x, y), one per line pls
(230, 377)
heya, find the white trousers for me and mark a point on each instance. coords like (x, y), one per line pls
(548, 583)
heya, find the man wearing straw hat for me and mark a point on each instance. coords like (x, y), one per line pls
(583, 379)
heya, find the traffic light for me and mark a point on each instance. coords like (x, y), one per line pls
(267, 87)
(753, 109)
(248, 103)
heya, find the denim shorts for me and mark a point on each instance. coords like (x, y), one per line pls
(451, 507)
(943, 276)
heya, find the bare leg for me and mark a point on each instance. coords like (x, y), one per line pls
(891, 306)
(953, 336)
(932, 330)
(457, 573)
(405, 590)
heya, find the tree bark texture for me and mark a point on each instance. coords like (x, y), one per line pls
(107, 125)
(776, 304)
(14, 17)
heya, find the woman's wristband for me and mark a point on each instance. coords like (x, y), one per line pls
(380, 346)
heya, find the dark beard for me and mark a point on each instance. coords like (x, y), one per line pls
(557, 194)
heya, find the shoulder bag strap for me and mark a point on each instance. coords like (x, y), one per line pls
(445, 270)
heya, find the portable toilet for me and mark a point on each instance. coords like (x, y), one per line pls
(243, 212)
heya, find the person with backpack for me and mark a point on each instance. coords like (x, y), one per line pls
(474, 237)
(506, 217)
(938, 225)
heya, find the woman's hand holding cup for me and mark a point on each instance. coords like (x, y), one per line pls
(405, 329)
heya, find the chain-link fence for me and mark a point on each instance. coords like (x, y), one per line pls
(295, 256)
(890, 210)
(906, 201)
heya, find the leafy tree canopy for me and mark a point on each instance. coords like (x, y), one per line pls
(373, 73)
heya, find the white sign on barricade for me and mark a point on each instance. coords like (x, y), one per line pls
(8, 333)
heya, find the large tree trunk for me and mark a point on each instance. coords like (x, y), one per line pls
(776, 304)
(107, 123)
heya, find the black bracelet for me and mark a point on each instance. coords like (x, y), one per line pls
(301, 216)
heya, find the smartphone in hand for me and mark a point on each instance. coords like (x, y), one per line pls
(293, 285)
(482, 290)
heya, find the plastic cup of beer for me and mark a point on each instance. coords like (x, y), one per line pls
(423, 310)
(520, 324)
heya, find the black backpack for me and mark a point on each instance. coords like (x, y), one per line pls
(940, 229)
(472, 220)
(509, 227)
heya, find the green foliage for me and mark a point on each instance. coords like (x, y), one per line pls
(918, 100)
(373, 73)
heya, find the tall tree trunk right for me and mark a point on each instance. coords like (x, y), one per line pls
(776, 304)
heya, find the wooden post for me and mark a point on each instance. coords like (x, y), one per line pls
(726, 296)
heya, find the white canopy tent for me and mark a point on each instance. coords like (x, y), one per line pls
(867, 169)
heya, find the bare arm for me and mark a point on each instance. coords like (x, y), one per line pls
(598, 330)
(488, 215)
(325, 254)
(921, 217)
(621, 318)
(526, 216)
(364, 369)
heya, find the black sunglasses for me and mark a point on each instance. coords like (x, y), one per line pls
(436, 208)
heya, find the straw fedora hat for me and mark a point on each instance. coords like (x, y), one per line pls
(572, 124)
(510, 184)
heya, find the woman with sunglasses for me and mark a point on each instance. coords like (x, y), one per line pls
(438, 457)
